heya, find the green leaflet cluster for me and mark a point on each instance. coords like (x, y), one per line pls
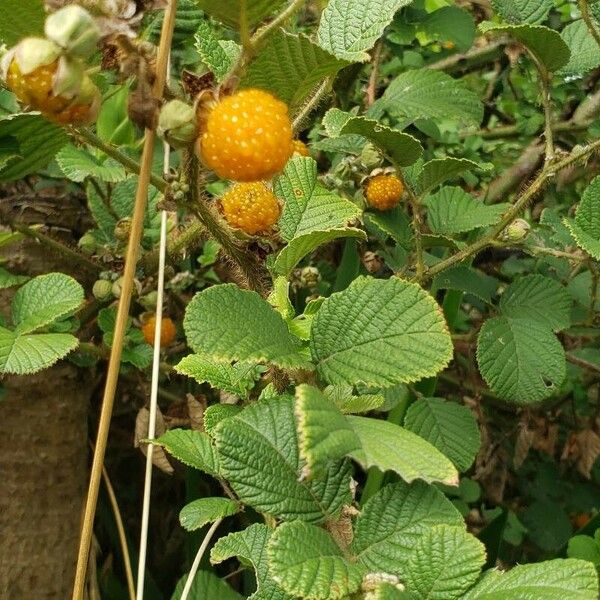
(39, 312)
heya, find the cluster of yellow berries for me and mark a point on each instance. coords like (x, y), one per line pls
(248, 138)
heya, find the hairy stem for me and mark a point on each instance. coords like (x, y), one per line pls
(252, 273)
(586, 15)
(532, 190)
(129, 163)
(545, 81)
(311, 103)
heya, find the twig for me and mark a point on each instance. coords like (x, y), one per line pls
(53, 244)
(114, 363)
(586, 15)
(198, 558)
(545, 81)
(131, 165)
(373, 78)
(262, 33)
(538, 184)
(476, 56)
(584, 364)
(417, 226)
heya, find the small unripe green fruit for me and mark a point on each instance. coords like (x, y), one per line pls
(87, 244)
(102, 290)
(177, 124)
(123, 229)
(517, 231)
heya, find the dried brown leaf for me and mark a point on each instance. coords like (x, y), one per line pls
(159, 456)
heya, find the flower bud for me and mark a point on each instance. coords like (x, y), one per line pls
(123, 229)
(87, 244)
(74, 30)
(516, 231)
(102, 290)
(310, 277)
(117, 287)
(177, 124)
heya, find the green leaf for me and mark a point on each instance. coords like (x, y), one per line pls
(450, 427)
(390, 447)
(228, 324)
(394, 223)
(545, 43)
(236, 379)
(585, 53)
(113, 124)
(290, 66)
(8, 280)
(77, 164)
(38, 139)
(211, 52)
(199, 512)
(429, 94)
(192, 448)
(103, 216)
(523, 11)
(540, 299)
(229, 11)
(206, 585)
(451, 24)
(550, 580)
(392, 522)
(306, 562)
(45, 299)
(452, 210)
(401, 148)
(215, 413)
(380, 332)
(21, 19)
(323, 431)
(308, 206)
(438, 170)
(26, 354)
(259, 452)
(584, 547)
(445, 563)
(349, 28)
(467, 279)
(521, 360)
(303, 245)
(250, 545)
(586, 226)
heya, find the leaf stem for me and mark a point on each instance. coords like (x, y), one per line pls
(311, 103)
(545, 81)
(417, 226)
(536, 187)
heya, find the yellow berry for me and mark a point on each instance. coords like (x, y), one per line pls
(167, 331)
(383, 192)
(247, 136)
(251, 207)
(36, 90)
(301, 148)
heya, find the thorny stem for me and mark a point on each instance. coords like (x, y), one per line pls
(584, 7)
(417, 228)
(131, 165)
(254, 277)
(536, 187)
(372, 87)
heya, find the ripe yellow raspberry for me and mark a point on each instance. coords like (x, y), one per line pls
(301, 148)
(251, 207)
(247, 136)
(384, 191)
(167, 331)
(36, 89)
